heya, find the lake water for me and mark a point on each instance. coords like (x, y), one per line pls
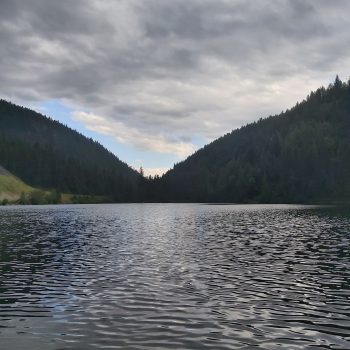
(174, 276)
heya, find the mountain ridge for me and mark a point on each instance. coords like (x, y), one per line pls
(301, 155)
(47, 154)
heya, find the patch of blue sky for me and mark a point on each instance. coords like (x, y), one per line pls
(199, 141)
(131, 155)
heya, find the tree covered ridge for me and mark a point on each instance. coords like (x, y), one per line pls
(47, 154)
(300, 155)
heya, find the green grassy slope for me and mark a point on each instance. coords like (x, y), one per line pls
(11, 187)
(14, 191)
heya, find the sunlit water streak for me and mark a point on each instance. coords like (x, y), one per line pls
(174, 276)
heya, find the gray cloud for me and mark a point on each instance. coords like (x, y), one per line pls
(171, 70)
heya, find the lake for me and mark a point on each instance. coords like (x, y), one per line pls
(174, 276)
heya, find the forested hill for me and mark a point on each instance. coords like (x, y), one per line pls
(46, 154)
(301, 155)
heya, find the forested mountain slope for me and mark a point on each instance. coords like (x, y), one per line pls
(301, 155)
(46, 154)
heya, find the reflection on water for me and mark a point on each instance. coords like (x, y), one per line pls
(175, 276)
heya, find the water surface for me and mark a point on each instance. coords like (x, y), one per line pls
(174, 276)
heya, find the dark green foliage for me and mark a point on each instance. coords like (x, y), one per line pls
(54, 197)
(90, 199)
(23, 199)
(37, 197)
(47, 154)
(301, 155)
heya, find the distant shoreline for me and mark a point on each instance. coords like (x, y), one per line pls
(169, 202)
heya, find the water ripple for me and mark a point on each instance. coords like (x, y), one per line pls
(174, 277)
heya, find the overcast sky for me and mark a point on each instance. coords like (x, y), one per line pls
(154, 80)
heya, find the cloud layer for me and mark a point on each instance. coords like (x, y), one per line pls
(157, 74)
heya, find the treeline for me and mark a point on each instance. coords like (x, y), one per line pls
(40, 197)
(36, 197)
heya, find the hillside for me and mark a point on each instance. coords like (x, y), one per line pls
(11, 188)
(301, 155)
(47, 154)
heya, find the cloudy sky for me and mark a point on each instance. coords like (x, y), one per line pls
(154, 80)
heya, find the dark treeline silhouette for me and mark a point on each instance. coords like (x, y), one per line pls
(299, 156)
(46, 154)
